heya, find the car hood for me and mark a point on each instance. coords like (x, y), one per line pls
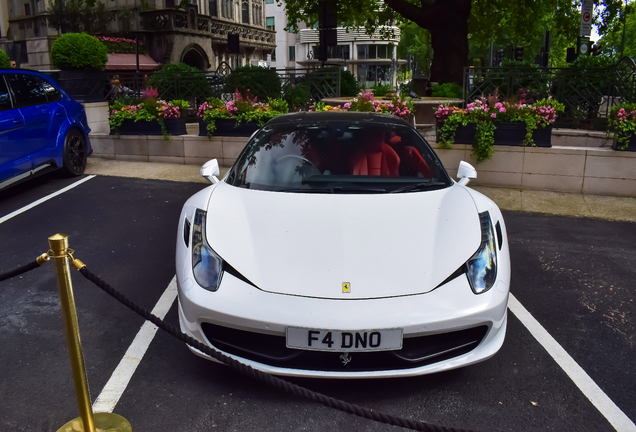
(383, 245)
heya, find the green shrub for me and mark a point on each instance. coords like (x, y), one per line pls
(296, 96)
(348, 84)
(261, 82)
(449, 90)
(78, 51)
(380, 90)
(180, 81)
(5, 61)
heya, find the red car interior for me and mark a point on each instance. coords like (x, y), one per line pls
(377, 159)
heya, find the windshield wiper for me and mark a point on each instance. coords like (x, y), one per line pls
(419, 186)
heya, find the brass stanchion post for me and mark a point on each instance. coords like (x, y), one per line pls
(86, 422)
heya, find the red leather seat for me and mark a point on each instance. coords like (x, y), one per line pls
(412, 161)
(378, 159)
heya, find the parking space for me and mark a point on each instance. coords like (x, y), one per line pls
(574, 275)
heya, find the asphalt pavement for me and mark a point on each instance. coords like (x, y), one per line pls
(573, 274)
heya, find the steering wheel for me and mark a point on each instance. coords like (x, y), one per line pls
(313, 171)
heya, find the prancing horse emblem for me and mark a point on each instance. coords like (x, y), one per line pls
(345, 358)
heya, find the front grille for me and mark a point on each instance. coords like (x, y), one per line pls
(272, 350)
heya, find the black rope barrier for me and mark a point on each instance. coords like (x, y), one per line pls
(272, 380)
(21, 270)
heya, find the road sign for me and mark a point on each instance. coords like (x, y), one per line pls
(587, 9)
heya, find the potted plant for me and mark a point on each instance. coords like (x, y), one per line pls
(488, 122)
(622, 122)
(81, 59)
(365, 102)
(241, 116)
(149, 117)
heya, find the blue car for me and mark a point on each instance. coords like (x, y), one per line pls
(41, 128)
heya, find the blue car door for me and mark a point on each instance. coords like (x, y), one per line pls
(14, 157)
(30, 97)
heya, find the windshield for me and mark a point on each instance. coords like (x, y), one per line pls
(333, 157)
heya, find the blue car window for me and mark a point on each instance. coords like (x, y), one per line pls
(27, 89)
(5, 98)
(52, 94)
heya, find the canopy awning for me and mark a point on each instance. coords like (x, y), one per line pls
(129, 62)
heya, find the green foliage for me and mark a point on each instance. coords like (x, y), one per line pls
(243, 109)
(173, 80)
(416, 42)
(348, 84)
(612, 41)
(297, 96)
(5, 61)
(622, 122)
(261, 82)
(449, 90)
(78, 51)
(483, 147)
(381, 90)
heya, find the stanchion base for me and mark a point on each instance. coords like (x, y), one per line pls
(104, 422)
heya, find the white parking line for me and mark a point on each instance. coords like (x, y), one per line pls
(590, 389)
(46, 198)
(120, 378)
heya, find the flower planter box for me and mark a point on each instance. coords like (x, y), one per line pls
(510, 134)
(152, 127)
(631, 146)
(542, 136)
(228, 127)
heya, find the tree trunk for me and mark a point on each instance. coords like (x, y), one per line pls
(450, 52)
(447, 21)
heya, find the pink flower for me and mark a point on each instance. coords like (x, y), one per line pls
(493, 115)
(347, 106)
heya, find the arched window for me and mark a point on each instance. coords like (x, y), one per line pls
(245, 13)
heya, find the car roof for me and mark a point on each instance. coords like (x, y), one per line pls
(337, 116)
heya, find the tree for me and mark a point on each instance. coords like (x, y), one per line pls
(416, 42)
(452, 22)
(612, 41)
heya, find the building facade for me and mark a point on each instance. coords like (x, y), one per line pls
(196, 34)
(371, 59)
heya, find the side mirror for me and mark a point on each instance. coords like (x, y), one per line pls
(210, 170)
(465, 173)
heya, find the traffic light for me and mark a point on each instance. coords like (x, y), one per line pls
(571, 55)
(596, 50)
(518, 56)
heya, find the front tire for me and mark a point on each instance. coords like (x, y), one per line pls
(74, 156)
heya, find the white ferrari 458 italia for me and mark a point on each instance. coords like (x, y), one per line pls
(338, 246)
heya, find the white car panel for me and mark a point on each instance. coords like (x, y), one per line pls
(384, 245)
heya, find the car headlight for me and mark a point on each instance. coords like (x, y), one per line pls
(207, 266)
(481, 268)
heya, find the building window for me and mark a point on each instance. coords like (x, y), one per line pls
(213, 8)
(375, 52)
(292, 53)
(257, 14)
(27, 9)
(337, 52)
(269, 1)
(226, 8)
(169, 4)
(274, 55)
(245, 12)
(269, 21)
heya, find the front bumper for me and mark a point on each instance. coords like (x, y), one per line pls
(450, 308)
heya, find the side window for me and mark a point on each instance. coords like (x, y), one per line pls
(52, 94)
(5, 97)
(27, 89)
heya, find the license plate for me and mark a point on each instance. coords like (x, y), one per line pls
(344, 341)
